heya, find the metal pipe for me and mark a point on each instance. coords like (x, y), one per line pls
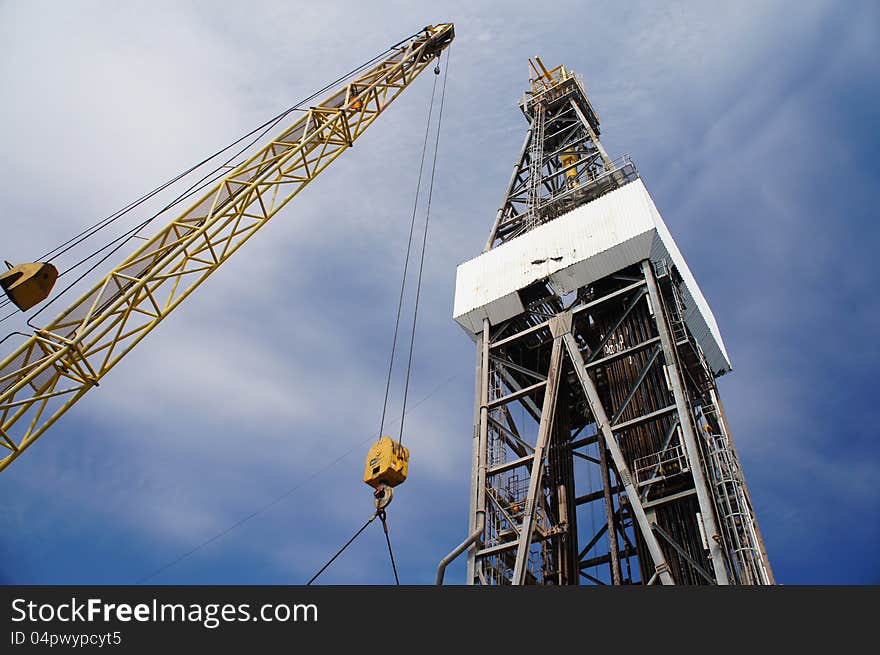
(464, 545)
(475, 447)
(482, 447)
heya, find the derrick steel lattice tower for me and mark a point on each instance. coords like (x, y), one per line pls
(601, 452)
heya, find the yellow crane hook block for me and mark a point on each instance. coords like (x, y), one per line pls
(387, 463)
(28, 284)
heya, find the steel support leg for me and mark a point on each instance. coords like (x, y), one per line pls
(660, 564)
(614, 549)
(558, 327)
(482, 434)
(513, 177)
(478, 386)
(707, 510)
(606, 160)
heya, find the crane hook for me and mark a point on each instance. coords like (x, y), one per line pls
(382, 497)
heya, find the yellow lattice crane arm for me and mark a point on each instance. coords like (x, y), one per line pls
(60, 362)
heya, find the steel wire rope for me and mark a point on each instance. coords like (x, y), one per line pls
(388, 541)
(127, 236)
(106, 222)
(279, 498)
(409, 242)
(267, 124)
(124, 239)
(8, 316)
(119, 213)
(424, 245)
(382, 516)
(340, 551)
(381, 512)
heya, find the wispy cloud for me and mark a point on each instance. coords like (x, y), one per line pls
(276, 367)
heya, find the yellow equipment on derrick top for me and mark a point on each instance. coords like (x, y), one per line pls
(387, 463)
(28, 284)
(569, 160)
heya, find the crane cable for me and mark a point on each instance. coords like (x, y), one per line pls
(409, 243)
(388, 541)
(276, 500)
(193, 189)
(424, 244)
(126, 236)
(381, 512)
(265, 127)
(347, 544)
(409, 249)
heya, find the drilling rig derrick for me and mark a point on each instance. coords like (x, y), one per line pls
(601, 451)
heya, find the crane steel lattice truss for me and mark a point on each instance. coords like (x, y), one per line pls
(601, 450)
(56, 366)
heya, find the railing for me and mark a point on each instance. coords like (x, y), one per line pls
(531, 96)
(623, 172)
(660, 465)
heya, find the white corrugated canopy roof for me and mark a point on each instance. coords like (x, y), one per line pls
(619, 229)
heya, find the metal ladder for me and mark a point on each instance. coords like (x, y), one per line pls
(679, 329)
(536, 158)
(738, 522)
(496, 452)
(689, 350)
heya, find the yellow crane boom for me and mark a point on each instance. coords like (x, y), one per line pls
(60, 362)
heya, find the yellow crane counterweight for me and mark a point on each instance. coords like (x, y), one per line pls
(28, 284)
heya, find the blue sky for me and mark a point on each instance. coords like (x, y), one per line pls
(754, 126)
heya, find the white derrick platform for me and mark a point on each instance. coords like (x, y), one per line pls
(619, 229)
